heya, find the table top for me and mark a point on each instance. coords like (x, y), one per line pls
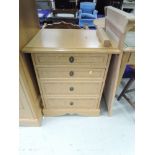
(67, 40)
(99, 22)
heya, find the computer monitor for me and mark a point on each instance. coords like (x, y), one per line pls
(64, 4)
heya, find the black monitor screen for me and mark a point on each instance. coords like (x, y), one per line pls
(64, 4)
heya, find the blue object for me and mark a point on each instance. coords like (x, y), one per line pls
(87, 14)
(129, 72)
(43, 15)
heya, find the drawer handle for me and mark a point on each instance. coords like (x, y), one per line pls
(71, 88)
(71, 73)
(71, 59)
(71, 103)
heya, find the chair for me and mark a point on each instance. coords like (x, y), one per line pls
(131, 74)
(87, 14)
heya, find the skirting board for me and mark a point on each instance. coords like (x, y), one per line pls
(84, 112)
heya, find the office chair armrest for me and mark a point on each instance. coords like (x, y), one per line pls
(80, 12)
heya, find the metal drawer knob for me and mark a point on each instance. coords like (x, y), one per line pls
(71, 73)
(71, 103)
(71, 88)
(71, 59)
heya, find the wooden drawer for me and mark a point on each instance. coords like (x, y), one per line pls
(93, 60)
(62, 103)
(72, 73)
(71, 88)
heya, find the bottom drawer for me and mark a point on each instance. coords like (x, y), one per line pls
(62, 103)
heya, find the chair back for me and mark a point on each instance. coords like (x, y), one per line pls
(87, 7)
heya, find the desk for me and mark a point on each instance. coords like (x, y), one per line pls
(128, 54)
(71, 67)
(100, 22)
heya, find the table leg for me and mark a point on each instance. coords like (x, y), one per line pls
(124, 62)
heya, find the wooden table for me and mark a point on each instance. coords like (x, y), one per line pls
(99, 22)
(128, 53)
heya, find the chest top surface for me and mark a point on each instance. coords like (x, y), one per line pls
(67, 40)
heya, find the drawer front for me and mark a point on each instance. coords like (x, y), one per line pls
(71, 88)
(72, 73)
(93, 60)
(62, 103)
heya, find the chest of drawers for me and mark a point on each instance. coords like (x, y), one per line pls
(71, 83)
(71, 68)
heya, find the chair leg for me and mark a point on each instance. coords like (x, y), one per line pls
(129, 91)
(125, 88)
(131, 103)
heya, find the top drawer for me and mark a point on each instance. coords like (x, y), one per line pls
(91, 60)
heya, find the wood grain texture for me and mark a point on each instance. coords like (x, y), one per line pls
(25, 110)
(65, 40)
(99, 22)
(69, 73)
(71, 87)
(56, 92)
(128, 54)
(104, 39)
(129, 43)
(125, 59)
(116, 26)
(28, 21)
(71, 60)
(120, 19)
(111, 82)
(83, 112)
(30, 122)
(54, 43)
(71, 103)
(29, 99)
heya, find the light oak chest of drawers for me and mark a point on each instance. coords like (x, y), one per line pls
(71, 83)
(71, 68)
